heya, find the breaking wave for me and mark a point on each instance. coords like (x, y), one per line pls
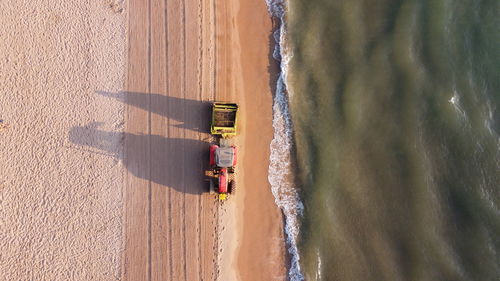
(280, 169)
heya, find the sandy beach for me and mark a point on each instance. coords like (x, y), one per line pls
(103, 165)
(197, 53)
(60, 197)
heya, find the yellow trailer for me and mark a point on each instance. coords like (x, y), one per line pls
(224, 118)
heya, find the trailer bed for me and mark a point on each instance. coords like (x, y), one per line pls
(224, 116)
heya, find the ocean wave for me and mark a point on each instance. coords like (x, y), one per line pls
(280, 169)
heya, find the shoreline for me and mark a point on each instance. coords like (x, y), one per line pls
(252, 244)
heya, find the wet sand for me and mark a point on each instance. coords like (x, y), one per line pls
(261, 255)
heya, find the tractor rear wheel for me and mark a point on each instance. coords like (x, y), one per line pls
(211, 189)
(232, 187)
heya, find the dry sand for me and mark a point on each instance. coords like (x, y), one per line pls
(60, 200)
(103, 176)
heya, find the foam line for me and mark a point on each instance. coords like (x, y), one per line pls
(280, 170)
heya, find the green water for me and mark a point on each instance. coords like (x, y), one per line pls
(396, 115)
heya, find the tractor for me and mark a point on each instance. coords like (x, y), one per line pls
(223, 156)
(222, 163)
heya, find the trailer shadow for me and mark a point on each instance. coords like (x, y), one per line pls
(172, 162)
(157, 104)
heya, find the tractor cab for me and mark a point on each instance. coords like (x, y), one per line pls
(222, 157)
(222, 162)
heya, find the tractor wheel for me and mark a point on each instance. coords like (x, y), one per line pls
(232, 187)
(211, 189)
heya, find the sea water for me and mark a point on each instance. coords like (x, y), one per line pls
(386, 156)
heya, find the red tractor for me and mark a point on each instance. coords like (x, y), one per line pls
(222, 164)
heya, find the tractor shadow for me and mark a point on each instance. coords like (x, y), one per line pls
(174, 162)
(188, 114)
(171, 162)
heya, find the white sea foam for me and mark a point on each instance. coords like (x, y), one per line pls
(318, 270)
(455, 101)
(280, 170)
(490, 121)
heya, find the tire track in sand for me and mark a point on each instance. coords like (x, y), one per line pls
(170, 226)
